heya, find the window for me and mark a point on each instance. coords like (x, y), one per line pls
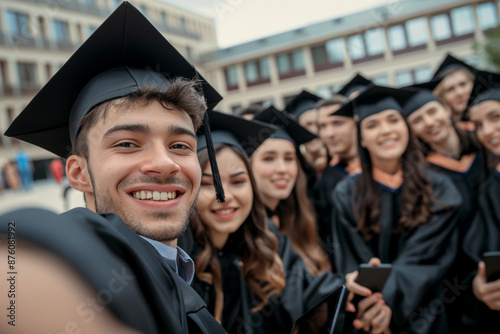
(61, 31)
(90, 30)
(335, 50)
(231, 74)
(417, 31)
(404, 78)
(382, 80)
(143, 10)
(397, 38)
(290, 64)
(356, 47)
(440, 26)
(487, 15)
(422, 74)
(163, 18)
(182, 24)
(26, 74)
(329, 55)
(18, 24)
(375, 41)
(462, 20)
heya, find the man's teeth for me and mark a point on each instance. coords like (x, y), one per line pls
(155, 195)
(495, 141)
(225, 212)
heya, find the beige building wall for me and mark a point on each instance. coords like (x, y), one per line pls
(33, 41)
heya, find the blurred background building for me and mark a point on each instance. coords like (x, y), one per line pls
(396, 44)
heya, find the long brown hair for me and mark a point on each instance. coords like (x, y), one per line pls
(261, 266)
(298, 221)
(416, 192)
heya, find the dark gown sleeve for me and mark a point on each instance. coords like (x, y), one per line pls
(484, 236)
(422, 260)
(85, 252)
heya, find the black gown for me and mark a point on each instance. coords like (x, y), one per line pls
(301, 293)
(420, 260)
(484, 236)
(467, 174)
(323, 202)
(157, 300)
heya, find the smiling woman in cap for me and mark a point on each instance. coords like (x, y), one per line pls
(396, 211)
(484, 233)
(124, 110)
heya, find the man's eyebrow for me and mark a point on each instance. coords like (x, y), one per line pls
(180, 130)
(137, 128)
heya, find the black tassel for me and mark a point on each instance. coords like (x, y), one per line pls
(219, 191)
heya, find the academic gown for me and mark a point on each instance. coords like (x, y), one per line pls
(419, 260)
(168, 304)
(484, 236)
(323, 200)
(467, 173)
(301, 293)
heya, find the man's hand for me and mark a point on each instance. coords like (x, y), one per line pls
(487, 292)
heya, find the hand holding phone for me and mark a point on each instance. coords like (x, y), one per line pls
(492, 262)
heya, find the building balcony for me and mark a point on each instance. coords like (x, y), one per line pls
(19, 41)
(19, 91)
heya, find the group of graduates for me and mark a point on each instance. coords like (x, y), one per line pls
(206, 222)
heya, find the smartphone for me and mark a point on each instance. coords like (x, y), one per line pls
(373, 277)
(492, 262)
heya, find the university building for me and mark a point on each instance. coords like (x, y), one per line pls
(396, 44)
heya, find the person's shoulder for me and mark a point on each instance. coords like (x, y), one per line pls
(347, 185)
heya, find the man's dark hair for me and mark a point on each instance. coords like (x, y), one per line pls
(335, 99)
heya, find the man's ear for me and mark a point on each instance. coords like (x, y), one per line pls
(78, 175)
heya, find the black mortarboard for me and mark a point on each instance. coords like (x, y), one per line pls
(486, 87)
(450, 63)
(123, 53)
(125, 39)
(288, 128)
(301, 103)
(357, 84)
(414, 102)
(374, 100)
(236, 131)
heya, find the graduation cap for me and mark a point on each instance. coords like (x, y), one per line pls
(357, 84)
(416, 101)
(301, 103)
(288, 128)
(451, 63)
(374, 100)
(486, 87)
(125, 52)
(236, 131)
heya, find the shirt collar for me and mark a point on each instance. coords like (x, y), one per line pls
(176, 258)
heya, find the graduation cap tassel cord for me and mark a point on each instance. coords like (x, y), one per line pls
(219, 191)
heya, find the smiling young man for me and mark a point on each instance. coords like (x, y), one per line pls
(125, 112)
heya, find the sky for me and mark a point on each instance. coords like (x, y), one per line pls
(238, 21)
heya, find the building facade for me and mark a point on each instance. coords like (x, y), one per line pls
(38, 36)
(397, 45)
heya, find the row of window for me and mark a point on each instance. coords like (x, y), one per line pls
(401, 78)
(19, 24)
(412, 35)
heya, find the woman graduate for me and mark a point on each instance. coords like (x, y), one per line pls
(484, 233)
(250, 278)
(397, 211)
(282, 185)
(457, 153)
